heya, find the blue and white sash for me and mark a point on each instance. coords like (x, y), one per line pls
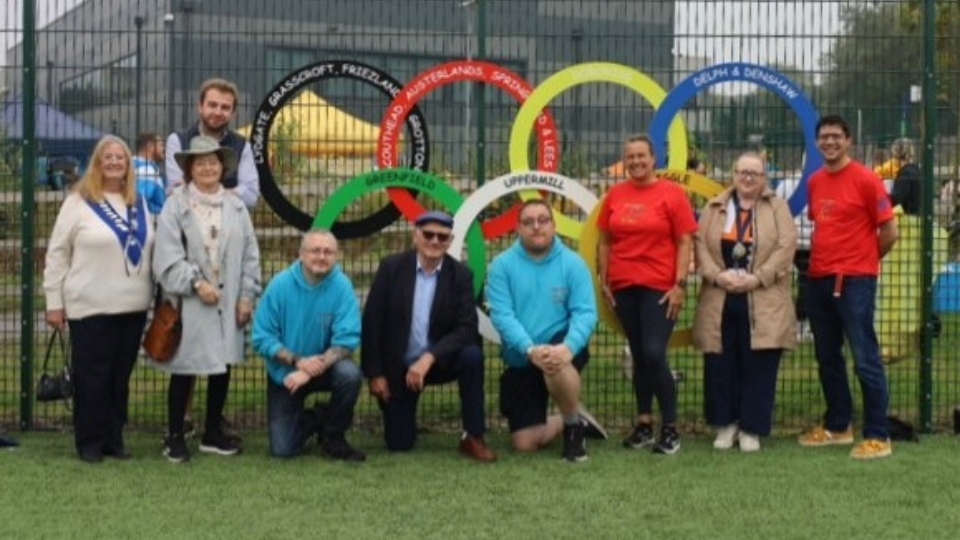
(131, 232)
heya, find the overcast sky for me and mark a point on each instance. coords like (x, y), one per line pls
(744, 29)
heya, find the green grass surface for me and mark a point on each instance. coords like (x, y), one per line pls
(783, 492)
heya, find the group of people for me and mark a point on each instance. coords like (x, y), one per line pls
(744, 246)
(194, 239)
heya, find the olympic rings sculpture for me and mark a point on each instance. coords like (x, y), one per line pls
(402, 185)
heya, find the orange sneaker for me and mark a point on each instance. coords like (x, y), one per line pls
(819, 436)
(872, 449)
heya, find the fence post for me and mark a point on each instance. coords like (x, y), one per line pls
(926, 269)
(28, 209)
(481, 94)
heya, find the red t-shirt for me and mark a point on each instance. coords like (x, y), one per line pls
(846, 208)
(644, 223)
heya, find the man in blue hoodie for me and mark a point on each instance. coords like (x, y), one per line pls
(542, 303)
(306, 327)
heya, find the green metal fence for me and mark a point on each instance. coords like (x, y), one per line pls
(741, 75)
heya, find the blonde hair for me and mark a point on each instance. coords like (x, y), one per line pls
(759, 156)
(90, 186)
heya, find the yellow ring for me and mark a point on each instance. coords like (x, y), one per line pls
(576, 75)
(694, 183)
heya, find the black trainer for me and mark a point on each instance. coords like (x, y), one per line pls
(592, 428)
(217, 442)
(574, 443)
(669, 441)
(189, 427)
(337, 447)
(640, 437)
(175, 449)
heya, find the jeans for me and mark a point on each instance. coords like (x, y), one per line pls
(290, 426)
(400, 413)
(850, 315)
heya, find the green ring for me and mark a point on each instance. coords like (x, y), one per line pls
(429, 184)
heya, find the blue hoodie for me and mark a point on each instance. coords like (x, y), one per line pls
(305, 319)
(533, 301)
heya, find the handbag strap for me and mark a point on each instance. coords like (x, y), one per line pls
(56, 336)
(158, 296)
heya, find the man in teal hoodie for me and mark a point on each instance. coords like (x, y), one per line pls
(542, 303)
(306, 327)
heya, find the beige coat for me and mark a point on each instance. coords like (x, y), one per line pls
(772, 317)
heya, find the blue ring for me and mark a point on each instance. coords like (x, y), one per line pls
(762, 76)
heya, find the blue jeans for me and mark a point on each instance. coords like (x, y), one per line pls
(851, 315)
(290, 426)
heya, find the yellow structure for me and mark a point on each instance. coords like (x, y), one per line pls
(314, 128)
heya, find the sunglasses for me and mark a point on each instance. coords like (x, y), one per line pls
(429, 236)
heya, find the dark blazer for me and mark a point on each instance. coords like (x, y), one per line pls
(389, 309)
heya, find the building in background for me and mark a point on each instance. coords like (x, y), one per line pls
(125, 65)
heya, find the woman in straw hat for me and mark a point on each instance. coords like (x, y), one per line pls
(207, 256)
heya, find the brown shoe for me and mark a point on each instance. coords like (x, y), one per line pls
(476, 448)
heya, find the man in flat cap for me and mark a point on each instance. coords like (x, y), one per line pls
(419, 329)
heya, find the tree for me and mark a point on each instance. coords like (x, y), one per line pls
(871, 67)
(947, 42)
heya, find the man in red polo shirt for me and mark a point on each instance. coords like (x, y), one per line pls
(853, 229)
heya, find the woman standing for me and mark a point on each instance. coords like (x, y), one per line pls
(646, 227)
(97, 281)
(745, 317)
(206, 256)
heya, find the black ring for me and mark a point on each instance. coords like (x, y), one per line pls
(283, 92)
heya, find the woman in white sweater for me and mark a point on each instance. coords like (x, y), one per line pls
(97, 281)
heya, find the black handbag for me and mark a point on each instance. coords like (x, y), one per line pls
(59, 384)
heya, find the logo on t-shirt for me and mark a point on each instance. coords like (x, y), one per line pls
(633, 213)
(826, 209)
(560, 295)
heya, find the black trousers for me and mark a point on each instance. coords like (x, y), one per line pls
(400, 413)
(104, 350)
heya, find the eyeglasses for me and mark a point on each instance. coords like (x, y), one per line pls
(541, 221)
(831, 137)
(430, 236)
(752, 175)
(325, 252)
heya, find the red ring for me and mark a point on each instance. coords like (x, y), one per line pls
(388, 151)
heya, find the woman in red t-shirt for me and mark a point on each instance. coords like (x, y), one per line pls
(646, 232)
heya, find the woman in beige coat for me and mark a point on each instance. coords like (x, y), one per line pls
(745, 317)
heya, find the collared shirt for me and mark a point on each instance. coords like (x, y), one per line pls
(424, 291)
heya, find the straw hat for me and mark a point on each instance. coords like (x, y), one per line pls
(202, 145)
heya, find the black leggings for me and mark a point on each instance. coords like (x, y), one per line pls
(648, 331)
(179, 393)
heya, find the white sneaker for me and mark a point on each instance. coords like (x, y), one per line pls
(804, 334)
(725, 437)
(749, 442)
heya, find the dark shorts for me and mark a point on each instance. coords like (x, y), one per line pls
(524, 396)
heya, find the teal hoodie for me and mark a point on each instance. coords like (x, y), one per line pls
(533, 301)
(306, 319)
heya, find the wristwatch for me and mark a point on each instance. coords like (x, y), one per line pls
(682, 282)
